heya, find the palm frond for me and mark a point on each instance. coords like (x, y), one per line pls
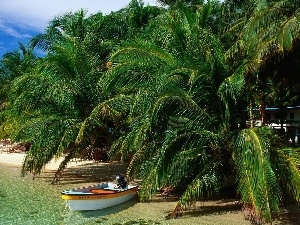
(49, 138)
(256, 179)
(207, 182)
(286, 163)
(290, 31)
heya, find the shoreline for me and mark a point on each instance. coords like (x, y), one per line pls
(16, 159)
(85, 173)
(76, 174)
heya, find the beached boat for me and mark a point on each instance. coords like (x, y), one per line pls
(98, 196)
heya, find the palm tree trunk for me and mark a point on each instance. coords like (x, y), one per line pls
(262, 109)
(251, 114)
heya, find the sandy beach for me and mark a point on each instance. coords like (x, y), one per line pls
(86, 173)
(13, 154)
(16, 159)
(77, 173)
(83, 173)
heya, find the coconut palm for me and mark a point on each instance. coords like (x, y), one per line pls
(18, 62)
(13, 65)
(163, 107)
(53, 102)
(266, 38)
(179, 138)
(261, 171)
(174, 122)
(49, 103)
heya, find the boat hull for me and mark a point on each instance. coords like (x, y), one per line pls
(97, 197)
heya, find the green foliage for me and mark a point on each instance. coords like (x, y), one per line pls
(50, 138)
(253, 166)
(180, 2)
(153, 87)
(171, 130)
(286, 162)
(176, 135)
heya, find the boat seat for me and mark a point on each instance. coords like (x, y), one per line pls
(103, 192)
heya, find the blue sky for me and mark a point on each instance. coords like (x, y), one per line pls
(22, 19)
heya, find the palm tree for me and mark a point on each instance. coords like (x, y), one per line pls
(267, 36)
(267, 175)
(49, 103)
(163, 107)
(20, 61)
(51, 106)
(13, 65)
(177, 129)
(173, 125)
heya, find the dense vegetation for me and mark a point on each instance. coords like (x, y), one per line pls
(159, 89)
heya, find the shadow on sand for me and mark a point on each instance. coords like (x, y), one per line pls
(87, 173)
(289, 216)
(94, 173)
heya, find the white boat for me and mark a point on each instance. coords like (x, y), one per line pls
(98, 196)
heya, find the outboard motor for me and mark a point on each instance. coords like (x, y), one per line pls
(121, 181)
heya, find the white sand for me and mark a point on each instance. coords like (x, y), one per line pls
(17, 160)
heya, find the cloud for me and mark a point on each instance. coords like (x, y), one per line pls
(38, 13)
(4, 28)
(20, 20)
